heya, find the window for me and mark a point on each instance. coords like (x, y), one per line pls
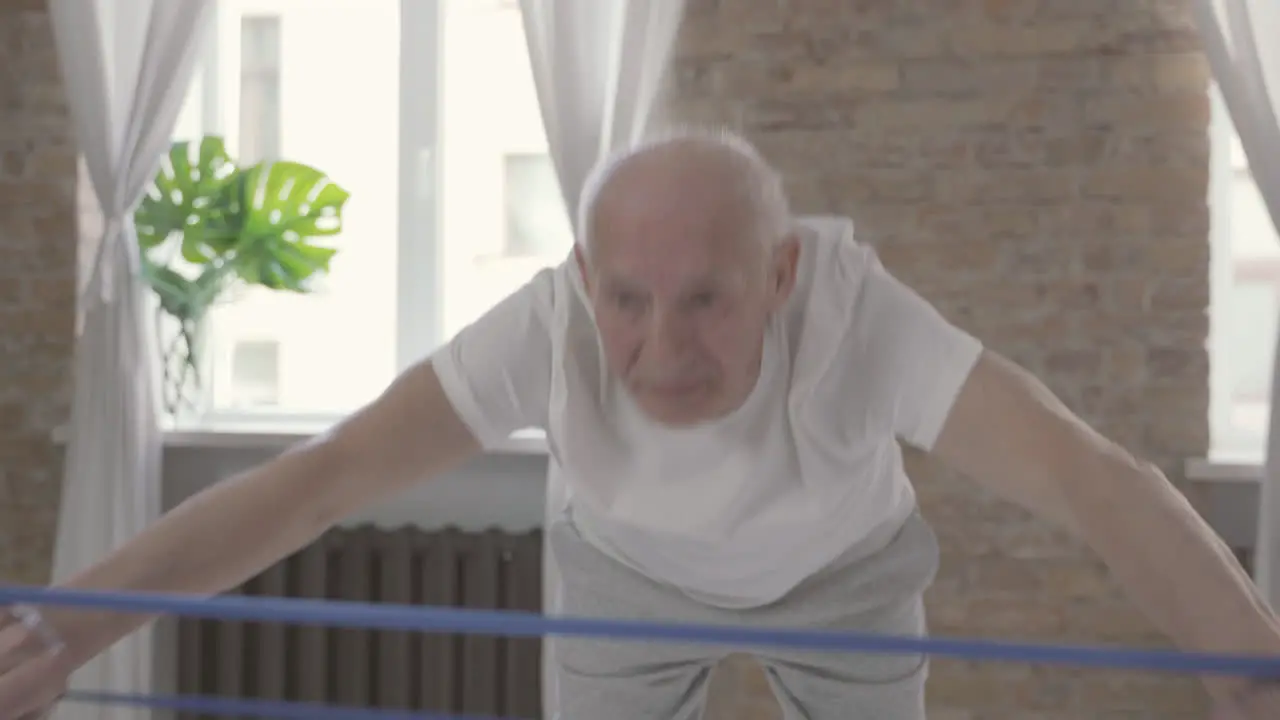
(1245, 287)
(536, 224)
(255, 374)
(426, 112)
(259, 125)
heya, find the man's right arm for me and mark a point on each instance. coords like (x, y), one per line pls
(237, 528)
(491, 379)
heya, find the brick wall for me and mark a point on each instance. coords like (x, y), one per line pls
(37, 281)
(1038, 169)
(1035, 167)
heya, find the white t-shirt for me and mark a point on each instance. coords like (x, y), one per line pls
(736, 512)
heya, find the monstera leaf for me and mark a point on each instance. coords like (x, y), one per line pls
(182, 297)
(284, 204)
(237, 226)
(190, 197)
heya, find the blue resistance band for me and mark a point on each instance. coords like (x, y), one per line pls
(204, 705)
(409, 618)
(378, 616)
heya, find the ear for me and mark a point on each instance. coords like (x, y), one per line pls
(782, 271)
(580, 257)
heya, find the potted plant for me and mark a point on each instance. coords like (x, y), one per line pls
(208, 227)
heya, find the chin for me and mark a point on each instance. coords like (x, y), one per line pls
(678, 413)
(673, 419)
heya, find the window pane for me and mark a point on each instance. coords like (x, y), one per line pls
(536, 223)
(503, 216)
(255, 374)
(1244, 323)
(1252, 315)
(259, 89)
(319, 84)
(1238, 160)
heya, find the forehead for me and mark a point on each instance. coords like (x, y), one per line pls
(671, 230)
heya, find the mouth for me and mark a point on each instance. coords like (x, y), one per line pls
(674, 391)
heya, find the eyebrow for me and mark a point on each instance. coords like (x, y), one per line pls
(620, 282)
(718, 281)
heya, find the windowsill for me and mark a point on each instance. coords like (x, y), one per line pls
(272, 435)
(1225, 469)
(279, 435)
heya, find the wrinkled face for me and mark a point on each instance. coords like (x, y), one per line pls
(683, 289)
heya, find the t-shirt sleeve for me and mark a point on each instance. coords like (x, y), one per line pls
(496, 372)
(920, 359)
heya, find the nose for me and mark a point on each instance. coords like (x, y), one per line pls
(668, 339)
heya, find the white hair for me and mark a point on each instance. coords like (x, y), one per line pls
(763, 184)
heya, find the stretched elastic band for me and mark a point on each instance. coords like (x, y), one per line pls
(205, 705)
(374, 616)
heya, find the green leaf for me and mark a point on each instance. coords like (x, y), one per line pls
(284, 204)
(178, 296)
(250, 225)
(288, 196)
(184, 199)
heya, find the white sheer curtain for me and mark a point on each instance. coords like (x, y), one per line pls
(1240, 40)
(598, 66)
(126, 65)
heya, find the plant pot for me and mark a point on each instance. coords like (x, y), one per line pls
(183, 366)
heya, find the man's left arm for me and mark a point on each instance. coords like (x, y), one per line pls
(1010, 434)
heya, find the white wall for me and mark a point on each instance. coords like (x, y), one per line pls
(1232, 509)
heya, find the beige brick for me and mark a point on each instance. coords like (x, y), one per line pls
(939, 114)
(1153, 184)
(1181, 111)
(37, 245)
(945, 76)
(1181, 72)
(1033, 40)
(1037, 168)
(1089, 9)
(1039, 172)
(768, 77)
(1001, 11)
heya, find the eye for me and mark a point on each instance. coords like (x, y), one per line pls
(703, 300)
(628, 300)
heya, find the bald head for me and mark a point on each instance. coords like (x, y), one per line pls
(716, 177)
(686, 252)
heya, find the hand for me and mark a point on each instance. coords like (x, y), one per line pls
(33, 668)
(1256, 701)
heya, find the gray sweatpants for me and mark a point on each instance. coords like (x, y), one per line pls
(630, 680)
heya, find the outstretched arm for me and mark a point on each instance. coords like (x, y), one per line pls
(488, 381)
(1010, 434)
(991, 420)
(237, 528)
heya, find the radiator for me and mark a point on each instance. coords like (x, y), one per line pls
(377, 669)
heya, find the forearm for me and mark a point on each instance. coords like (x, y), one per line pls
(234, 530)
(213, 541)
(1170, 562)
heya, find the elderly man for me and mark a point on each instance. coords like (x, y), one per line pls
(724, 390)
